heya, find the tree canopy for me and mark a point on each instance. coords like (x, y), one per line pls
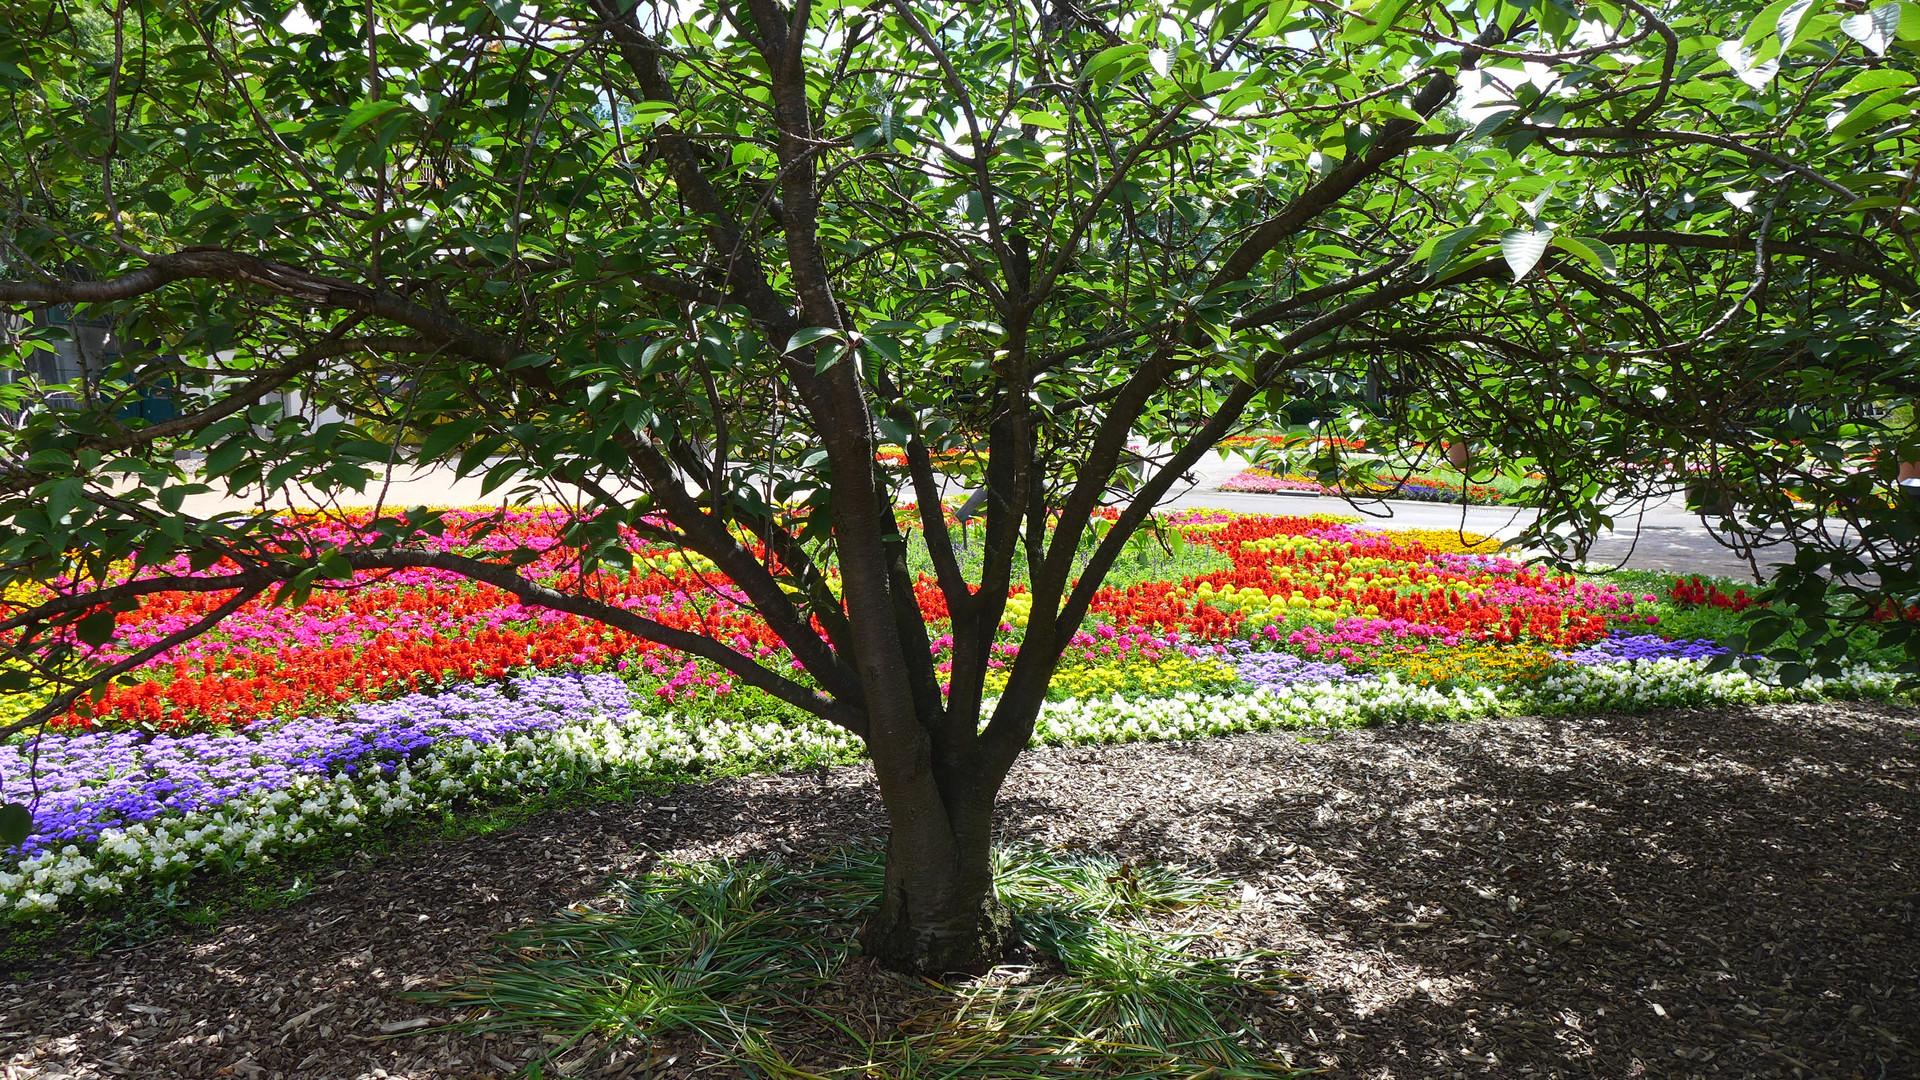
(694, 265)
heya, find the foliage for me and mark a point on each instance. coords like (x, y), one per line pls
(689, 266)
(1419, 488)
(734, 952)
(1212, 576)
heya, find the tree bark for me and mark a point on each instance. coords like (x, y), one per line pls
(937, 913)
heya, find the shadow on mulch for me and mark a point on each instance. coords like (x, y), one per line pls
(1724, 892)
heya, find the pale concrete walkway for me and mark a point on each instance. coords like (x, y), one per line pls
(1662, 537)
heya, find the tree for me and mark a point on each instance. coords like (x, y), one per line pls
(698, 262)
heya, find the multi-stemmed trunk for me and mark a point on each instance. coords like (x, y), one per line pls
(937, 912)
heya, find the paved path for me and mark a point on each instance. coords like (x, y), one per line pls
(1663, 536)
(1667, 536)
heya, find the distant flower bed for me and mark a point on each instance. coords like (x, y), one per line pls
(118, 813)
(1302, 441)
(1417, 488)
(413, 694)
(942, 461)
(1698, 593)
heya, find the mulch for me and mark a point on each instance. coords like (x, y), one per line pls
(1714, 893)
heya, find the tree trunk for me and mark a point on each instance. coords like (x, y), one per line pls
(937, 914)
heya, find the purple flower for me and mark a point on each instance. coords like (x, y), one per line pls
(95, 781)
(1627, 648)
(1277, 669)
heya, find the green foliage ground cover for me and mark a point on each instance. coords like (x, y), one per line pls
(745, 961)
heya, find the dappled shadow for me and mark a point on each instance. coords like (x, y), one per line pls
(321, 987)
(1678, 549)
(1510, 898)
(1719, 892)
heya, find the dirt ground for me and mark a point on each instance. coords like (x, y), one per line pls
(1726, 892)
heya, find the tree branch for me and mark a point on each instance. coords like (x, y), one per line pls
(61, 702)
(1716, 242)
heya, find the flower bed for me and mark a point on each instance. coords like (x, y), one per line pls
(120, 816)
(395, 634)
(411, 694)
(115, 810)
(1416, 487)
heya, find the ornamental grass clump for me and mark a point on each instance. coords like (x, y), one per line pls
(741, 962)
(711, 950)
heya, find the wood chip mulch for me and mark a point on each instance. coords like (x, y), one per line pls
(1716, 893)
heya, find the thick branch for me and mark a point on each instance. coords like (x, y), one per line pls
(61, 702)
(1717, 242)
(498, 575)
(215, 264)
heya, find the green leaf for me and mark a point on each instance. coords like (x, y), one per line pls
(174, 496)
(64, 496)
(1909, 28)
(1451, 244)
(1754, 74)
(1523, 248)
(366, 113)
(1276, 18)
(447, 436)
(1590, 251)
(1394, 109)
(1875, 29)
(1868, 113)
(1767, 22)
(1788, 23)
(1043, 120)
(1876, 79)
(1364, 27)
(16, 821)
(96, 629)
(893, 431)
(335, 567)
(651, 113)
(1490, 123)
(1114, 63)
(222, 459)
(810, 335)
